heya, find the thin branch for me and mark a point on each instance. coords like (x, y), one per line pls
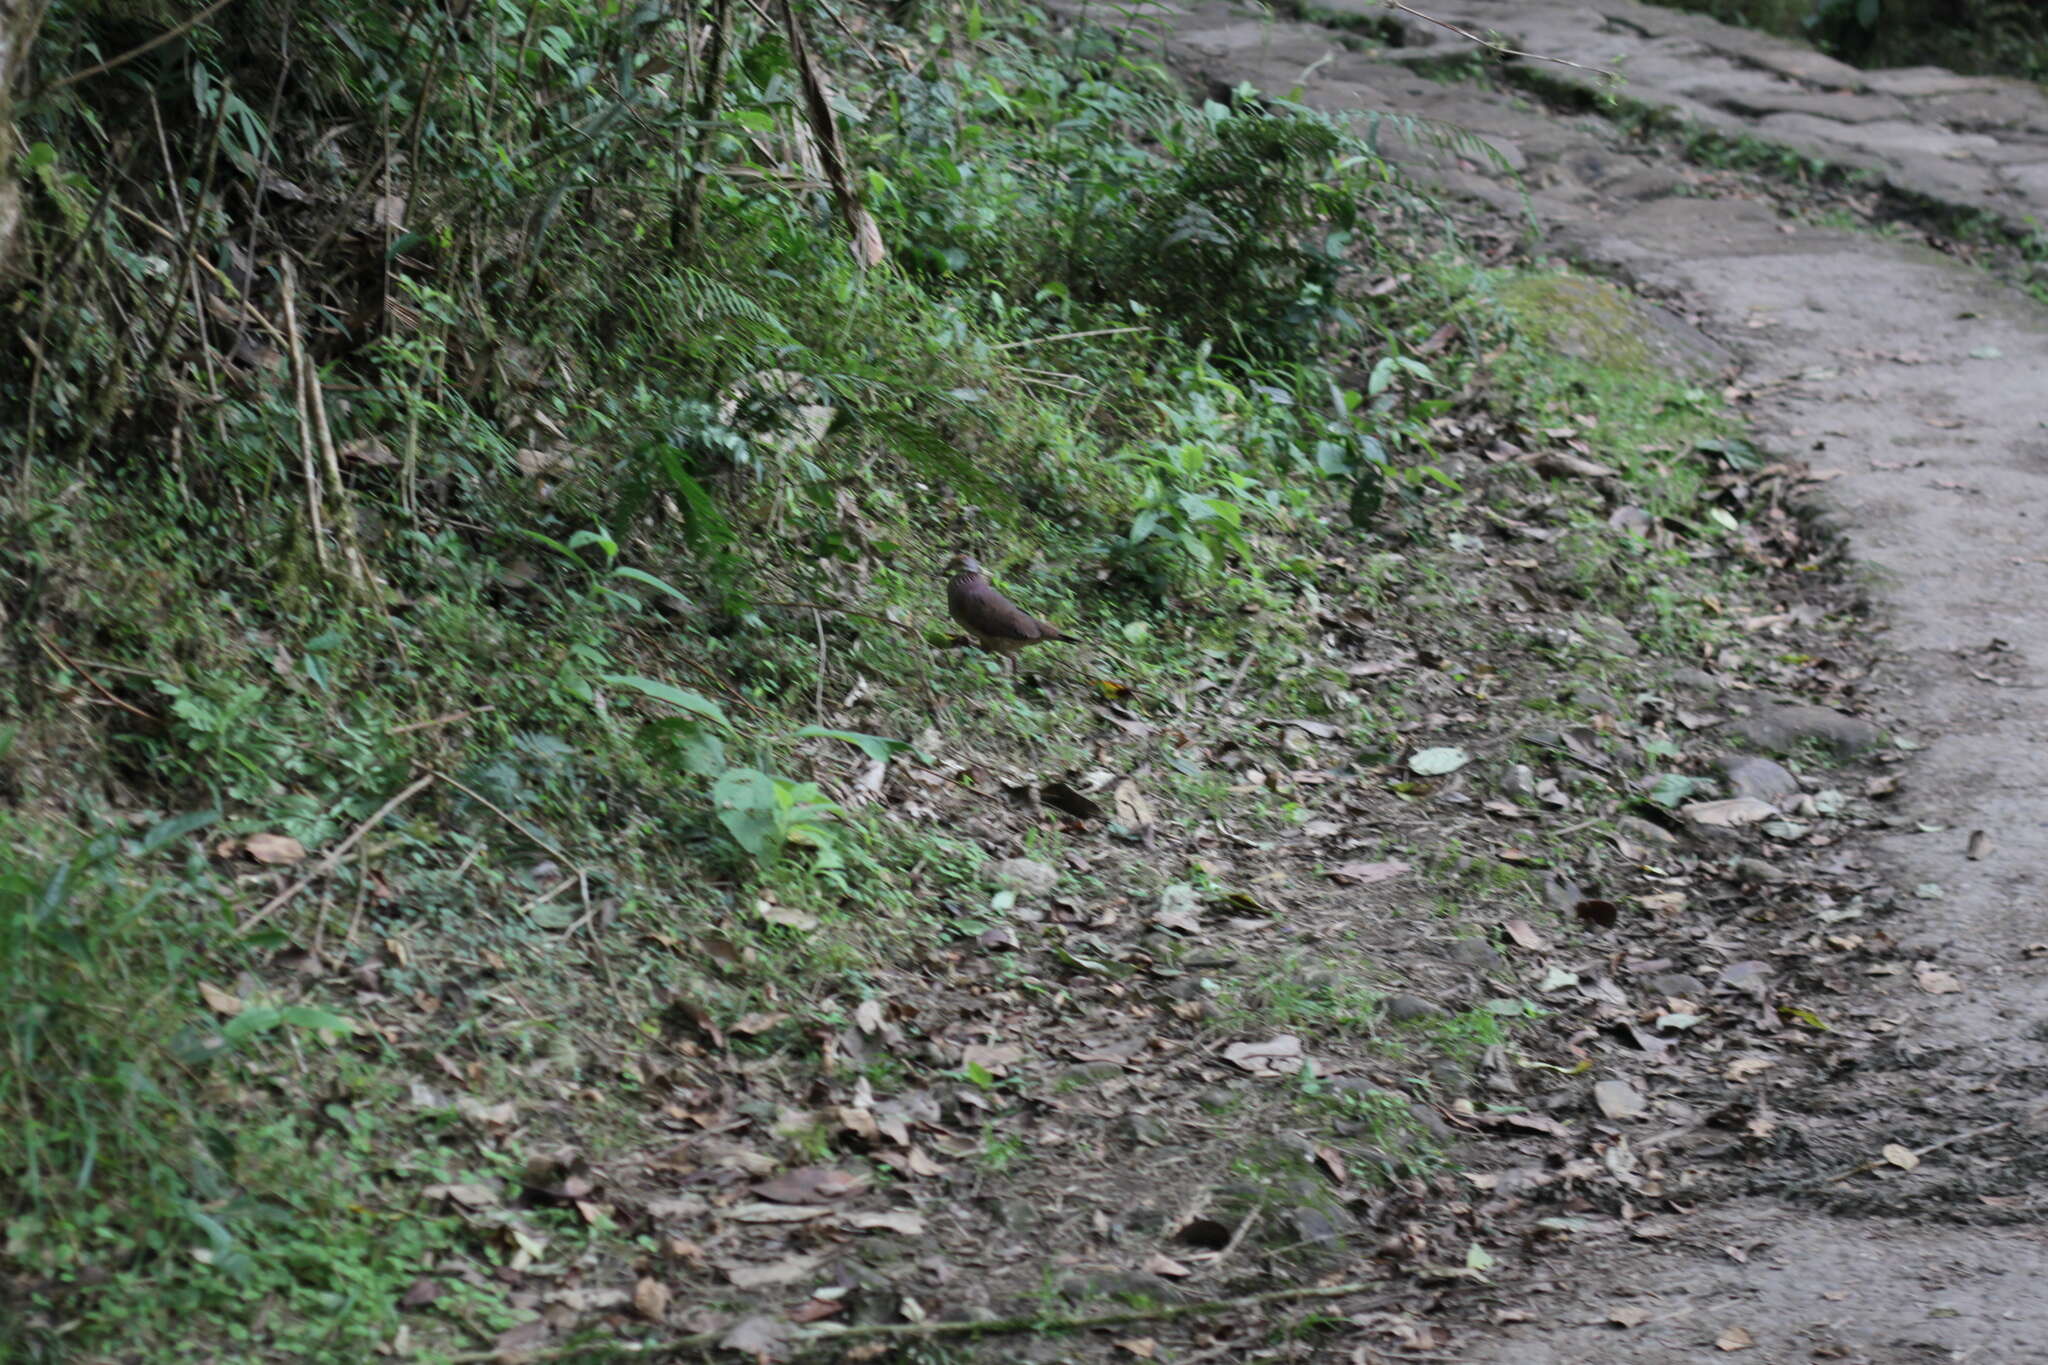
(333, 860)
(508, 818)
(907, 626)
(1862, 1167)
(1064, 336)
(832, 1338)
(1502, 48)
(168, 35)
(446, 718)
(61, 657)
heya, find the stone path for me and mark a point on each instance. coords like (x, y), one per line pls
(1924, 382)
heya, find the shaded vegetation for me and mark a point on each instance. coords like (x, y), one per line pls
(472, 518)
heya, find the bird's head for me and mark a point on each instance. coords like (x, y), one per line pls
(960, 564)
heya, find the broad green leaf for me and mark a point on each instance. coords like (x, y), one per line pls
(874, 746)
(678, 697)
(642, 576)
(751, 811)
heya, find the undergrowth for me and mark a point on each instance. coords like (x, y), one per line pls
(462, 445)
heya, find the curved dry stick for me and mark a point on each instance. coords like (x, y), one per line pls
(1502, 48)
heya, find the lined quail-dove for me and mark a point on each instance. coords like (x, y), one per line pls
(997, 624)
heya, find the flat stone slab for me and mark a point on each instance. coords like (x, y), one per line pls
(1920, 81)
(1840, 108)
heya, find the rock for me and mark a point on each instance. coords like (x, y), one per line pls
(1609, 634)
(1312, 1224)
(1476, 953)
(1696, 680)
(1619, 1100)
(1595, 699)
(1520, 783)
(1641, 831)
(1089, 1073)
(1143, 1130)
(1025, 876)
(1432, 1123)
(1405, 1008)
(1763, 778)
(1448, 1075)
(1755, 870)
(1780, 729)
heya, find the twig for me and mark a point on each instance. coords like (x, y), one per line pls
(829, 1338)
(1502, 48)
(507, 817)
(448, 718)
(355, 918)
(1063, 336)
(61, 657)
(302, 408)
(1243, 1229)
(818, 691)
(906, 626)
(1862, 1167)
(132, 53)
(333, 860)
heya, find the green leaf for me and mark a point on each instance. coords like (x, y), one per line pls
(642, 576)
(177, 827)
(874, 746)
(678, 697)
(751, 811)
(686, 743)
(249, 1023)
(311, 1017)
(1673, 788)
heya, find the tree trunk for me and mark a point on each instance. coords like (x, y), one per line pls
(19, 20)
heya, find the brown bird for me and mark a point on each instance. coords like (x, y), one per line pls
(996, 623)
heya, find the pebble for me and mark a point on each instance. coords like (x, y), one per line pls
(1642, 831)
(1763, 778)
(1405, 1008)
(1025, 876)
(1783, 728)
(1475, 952)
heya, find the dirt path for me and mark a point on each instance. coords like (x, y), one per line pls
(1924, 383)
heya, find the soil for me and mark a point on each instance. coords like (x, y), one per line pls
(1909, 378)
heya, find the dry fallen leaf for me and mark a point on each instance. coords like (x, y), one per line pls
(1144, 1348)
(1619, 1099)
(776, 1213)
(1734, 1339)
(1628, 1317)
(1740, 810)
(1278, 1056)
(274, 850)
(1366, 873)
(220, 1001)
(809, 1184)
(1934, 981)
(903, 1221)
(788, 1270)
(1133, 811)
(1901, 1157)
(650, 1299)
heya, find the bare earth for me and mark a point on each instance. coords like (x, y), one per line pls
(1920, 382)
